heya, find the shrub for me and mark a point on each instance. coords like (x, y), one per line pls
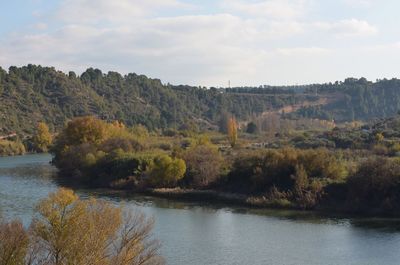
(14, 242)
(9, 148)
(204, 164)
(170, 133)
(375, 186)
(140, 131)
(380, 149)
(297, 172)
(395, 149)
(127, 144)
(75, 159)
(96, 152)
(119, 165)
(251, 128)
(165, 171)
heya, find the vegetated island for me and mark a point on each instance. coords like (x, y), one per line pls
(225, 167)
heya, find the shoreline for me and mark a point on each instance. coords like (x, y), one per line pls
(216, 197)
(251, 202)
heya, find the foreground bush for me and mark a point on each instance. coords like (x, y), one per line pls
(79, 232)
(14, 241)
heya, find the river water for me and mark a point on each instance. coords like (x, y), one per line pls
(200, 234)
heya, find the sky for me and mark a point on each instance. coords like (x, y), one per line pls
(207, 43)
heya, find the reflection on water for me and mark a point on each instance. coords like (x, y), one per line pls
(203, 233)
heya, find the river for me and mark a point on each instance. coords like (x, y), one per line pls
(200, 234)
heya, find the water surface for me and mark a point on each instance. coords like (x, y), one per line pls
(199, 234)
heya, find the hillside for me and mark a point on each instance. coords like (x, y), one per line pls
(33, 93)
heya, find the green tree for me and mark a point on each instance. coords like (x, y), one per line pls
(166, 171)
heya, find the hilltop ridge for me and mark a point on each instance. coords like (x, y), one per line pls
(33, 93)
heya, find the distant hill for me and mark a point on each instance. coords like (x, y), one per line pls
(33, 93)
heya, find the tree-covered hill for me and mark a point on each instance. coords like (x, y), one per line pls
(33, 93)
(356, 99)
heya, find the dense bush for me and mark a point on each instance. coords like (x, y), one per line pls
(204, 164)
(375, 186)
(258, 171)
(97, 152)
(9, 148)
(126, 144)
(298, 173)
(117, 166)
(165, 171)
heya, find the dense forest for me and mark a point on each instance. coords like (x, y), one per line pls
(356, 99)
(31, 94)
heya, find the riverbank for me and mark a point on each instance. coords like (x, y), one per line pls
(217, 196)
(256, 202)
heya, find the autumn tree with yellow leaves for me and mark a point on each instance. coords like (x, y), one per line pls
(232, 131)
(69, 230)
(42, 138)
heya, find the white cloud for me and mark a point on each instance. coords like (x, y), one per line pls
(122, 11)
(276, 9)
(261, 42)
(40, 26)
(303, 51)
(359, 3)
(348, 28)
